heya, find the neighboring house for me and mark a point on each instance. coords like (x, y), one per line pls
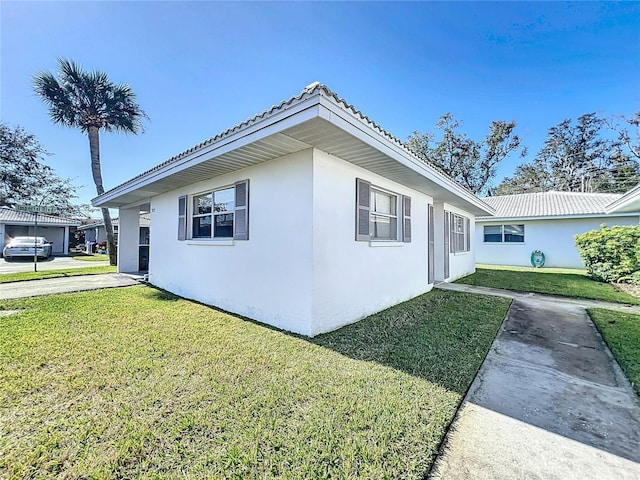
(14, 223)
(95, 233)
(548, 222)
(307, 217)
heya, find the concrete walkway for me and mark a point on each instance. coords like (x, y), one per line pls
(549, 402)
(48, 286)
(497, 292)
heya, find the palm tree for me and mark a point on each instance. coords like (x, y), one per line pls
(91, 102)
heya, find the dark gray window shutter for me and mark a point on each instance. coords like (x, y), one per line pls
(406, 217)
(452, 229)
(182, 217)
(467, 235)
(241, 212)
(431, 235)
(363, 205)
(447, 234)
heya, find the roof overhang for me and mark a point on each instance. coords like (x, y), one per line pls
(552, 217)
(315, 119)
(628, 203)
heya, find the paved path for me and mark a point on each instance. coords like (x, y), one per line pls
(52, 263)
(549, 402)
(50, 286)
(498, 292)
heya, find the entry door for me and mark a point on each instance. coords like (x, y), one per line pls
(431, 251)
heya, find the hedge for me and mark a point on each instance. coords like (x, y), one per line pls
(611, 254)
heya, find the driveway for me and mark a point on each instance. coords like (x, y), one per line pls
(49, 286)
(549, 402)
(52, 263)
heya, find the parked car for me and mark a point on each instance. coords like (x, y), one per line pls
(24, 246)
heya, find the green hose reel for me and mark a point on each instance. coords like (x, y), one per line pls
(537, 259)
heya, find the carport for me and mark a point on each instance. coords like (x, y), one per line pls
(14, 223)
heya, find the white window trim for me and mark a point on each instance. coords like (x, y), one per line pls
(502, 240)
(205, 242)
(464, 233)
(385, 243)
(191, 240)
(397, 216)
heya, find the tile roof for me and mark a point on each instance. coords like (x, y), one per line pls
(308, 91)
(9, 215)
(145, 221)
(550, 204)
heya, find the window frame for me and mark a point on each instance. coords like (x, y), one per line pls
(459, 239)
(213, 214)
(503, 239)
(398, 214)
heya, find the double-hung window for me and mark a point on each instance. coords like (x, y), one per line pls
(381, 215)
(384, 215)
(217, 214)
(213, 214)
(504, 233)
(459, 233)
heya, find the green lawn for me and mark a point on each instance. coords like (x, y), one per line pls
(553, 281)
(69, 272)
(134, 382)
(86, 257)
(621, 331)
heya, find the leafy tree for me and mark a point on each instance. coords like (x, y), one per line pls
(472, 164)
(91, 102)
(630, 140)
(576, 158)
(24, 179)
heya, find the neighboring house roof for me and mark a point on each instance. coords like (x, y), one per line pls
(627, 203)
(549, 205)
(11, 216)
(316, 117)
(145, 221)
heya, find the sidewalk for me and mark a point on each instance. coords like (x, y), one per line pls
(497, 292)
(549, 402)
(48, 286)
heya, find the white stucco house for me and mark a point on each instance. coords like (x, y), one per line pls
(14, 223)
(307, 217)
(547, 222)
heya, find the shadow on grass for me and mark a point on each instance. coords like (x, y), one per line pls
(440, 336)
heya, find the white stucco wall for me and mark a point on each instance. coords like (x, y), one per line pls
(268, 277)
(553, 237)
(462, 263)
(354, 279)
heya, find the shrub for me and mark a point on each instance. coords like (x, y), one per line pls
(611, 253)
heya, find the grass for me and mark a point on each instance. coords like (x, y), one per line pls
(137, 383)
(69, 272)
(621, 331)
(87, 257)
(552, 281)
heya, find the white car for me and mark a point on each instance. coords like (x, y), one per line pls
(24, 247)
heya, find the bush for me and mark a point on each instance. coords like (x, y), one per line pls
(611, 254)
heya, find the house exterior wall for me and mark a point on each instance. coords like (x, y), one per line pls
(354, 279)
(268, 277)
(554, 237)
(462, 263)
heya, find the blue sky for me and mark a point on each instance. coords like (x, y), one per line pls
(200, 67)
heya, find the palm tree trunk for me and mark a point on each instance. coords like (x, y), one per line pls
(94, 147)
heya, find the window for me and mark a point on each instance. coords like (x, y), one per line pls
(460, 235)
(220, 214)
(381, 215)
(213, 214)
(504, 233)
